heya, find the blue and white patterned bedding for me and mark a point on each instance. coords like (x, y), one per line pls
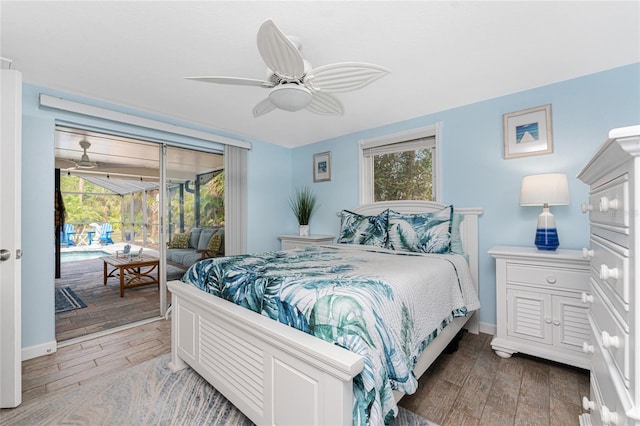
(384, 305)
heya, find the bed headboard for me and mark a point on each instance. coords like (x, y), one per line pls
(468, 227)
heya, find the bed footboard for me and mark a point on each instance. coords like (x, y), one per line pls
(274, 374)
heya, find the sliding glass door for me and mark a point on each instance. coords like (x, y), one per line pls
(194, 213)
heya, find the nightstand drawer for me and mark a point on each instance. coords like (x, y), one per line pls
(288, 242)
(564, 278)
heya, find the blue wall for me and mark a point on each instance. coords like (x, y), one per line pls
(474, 173)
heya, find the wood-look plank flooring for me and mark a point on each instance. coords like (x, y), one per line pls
(78, 363)
(471, 386)
(105, 308)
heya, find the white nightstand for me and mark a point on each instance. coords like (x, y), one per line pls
(539, 304)
(294, 241)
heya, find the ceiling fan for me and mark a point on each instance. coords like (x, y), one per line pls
(85, 162)
(293, 84)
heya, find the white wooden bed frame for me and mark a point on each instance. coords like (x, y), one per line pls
(275, 374)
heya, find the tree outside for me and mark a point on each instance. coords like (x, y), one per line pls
(406, 175)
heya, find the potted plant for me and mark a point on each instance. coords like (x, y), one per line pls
(304, 204)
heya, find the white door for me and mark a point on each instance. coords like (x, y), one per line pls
(10, 243)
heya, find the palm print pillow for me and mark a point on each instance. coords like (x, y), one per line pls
(425, 233)
(366, 230)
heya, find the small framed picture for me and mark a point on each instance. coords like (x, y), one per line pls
(322, 167)
(527, 132)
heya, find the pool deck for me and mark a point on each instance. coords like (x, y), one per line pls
(111, 248)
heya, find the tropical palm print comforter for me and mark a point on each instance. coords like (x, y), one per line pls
(384, 305)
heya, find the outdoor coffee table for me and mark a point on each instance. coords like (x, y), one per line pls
(133, 271)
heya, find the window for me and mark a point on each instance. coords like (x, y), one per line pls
(402, 166)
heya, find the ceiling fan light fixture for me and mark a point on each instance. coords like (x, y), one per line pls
(290, 97)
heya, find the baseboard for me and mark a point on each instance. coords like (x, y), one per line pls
(488, 328)
(39, 350)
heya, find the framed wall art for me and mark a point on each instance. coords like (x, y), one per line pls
(322, 167)
(527, 132)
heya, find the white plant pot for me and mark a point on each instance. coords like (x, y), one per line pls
(303, 230)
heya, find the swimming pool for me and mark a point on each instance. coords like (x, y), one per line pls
(73, 256)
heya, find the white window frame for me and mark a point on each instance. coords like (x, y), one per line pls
(366, 163)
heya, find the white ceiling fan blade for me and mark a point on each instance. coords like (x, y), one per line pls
(65, 164)
(239, 81)
(263, 107)
(344, 76)
(325, 104)
(279, 53)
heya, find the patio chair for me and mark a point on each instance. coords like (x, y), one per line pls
(66, 233)
(104, 233)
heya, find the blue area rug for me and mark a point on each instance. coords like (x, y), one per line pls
(145, 394)
(67, 300)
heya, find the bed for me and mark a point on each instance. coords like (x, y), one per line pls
(276, 374)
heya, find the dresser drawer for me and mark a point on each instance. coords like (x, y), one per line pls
(610, 266)
(609, 204)
(604, 392)
(618, 236)
(618, 307)
(610, 335)
(558, 278)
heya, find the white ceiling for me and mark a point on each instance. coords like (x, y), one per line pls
(442, 54)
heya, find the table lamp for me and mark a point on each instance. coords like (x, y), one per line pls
(549, 189)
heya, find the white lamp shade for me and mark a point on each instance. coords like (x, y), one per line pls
(550, 188)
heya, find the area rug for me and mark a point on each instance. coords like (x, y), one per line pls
(146, 394)
(67, 300)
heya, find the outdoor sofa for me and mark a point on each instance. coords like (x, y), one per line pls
(199, 243)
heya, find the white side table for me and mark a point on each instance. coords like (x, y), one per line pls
(294, 241)
(539, 304)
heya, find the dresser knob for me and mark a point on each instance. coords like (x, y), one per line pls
(606, 273)
(587, 253)
(587, 298)
(586, 208)
(587, 404)
(587, 349)
(608, 417)
(551, 279)
(548, 320)
(556, 323)
(609, 341)
(607, 204)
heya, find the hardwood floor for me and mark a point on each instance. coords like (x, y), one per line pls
(78, 363)
(105, 308)
(472, 386)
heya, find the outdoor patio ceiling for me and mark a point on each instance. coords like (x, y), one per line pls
(128, 158)
(122, 186)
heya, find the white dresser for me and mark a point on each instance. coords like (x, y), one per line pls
(613, 176)
(295, 241)
(539, 307)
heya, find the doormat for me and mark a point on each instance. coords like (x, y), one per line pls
(66, 300)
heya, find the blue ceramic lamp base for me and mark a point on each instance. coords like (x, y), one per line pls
(547, 239)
